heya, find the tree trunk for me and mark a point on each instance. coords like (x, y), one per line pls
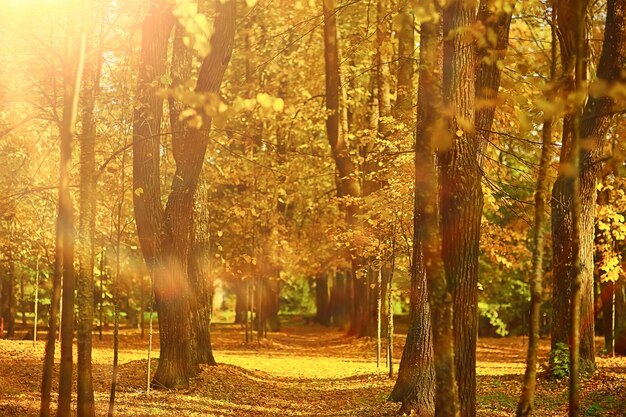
(420, 373)
(338, 300)
(86, 232)
(379, 310)
(496, 19)
(36, 318)
(22, 301)
(271, 303)
(620, 317)
(116, 344)
(177, 362)
(147, 117)
(606, 289)
(142, 305)
(200, 276)
(596, 119)
(240, 302)
(48, 362)
(608, 309)
(403, 109)
(576, 343)
(322, 305)
(348, 183)
(390, 311)
(415, 386)
(8, 297)
(116, 283)
(526, 403)
(101, 297)
(461, 196)
(72, 75)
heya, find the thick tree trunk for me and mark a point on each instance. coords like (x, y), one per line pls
(147, 117)
(177, 361)
(421, 373)
(461, 196)
(165, 234)
(348, 183)
(415, 386)
(596, 119)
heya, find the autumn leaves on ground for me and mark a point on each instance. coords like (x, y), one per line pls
(304, 370)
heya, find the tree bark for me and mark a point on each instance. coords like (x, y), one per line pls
(461, 196)
(72, 76)
(604, 246)
(147, 118)
(48, 362)
(165, 234)
(526, 403)
(177, 361)
(580, 12)
(200, 276)
(596, 120)
(240, 302)
(86, 233)
(497, 20)
(338, 299)
(322, 305)
(348, 183)
(423, 372)
(403, 109)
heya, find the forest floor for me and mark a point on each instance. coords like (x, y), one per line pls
(304, 370)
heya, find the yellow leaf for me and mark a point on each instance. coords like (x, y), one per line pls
(264, 100)
(278, 105)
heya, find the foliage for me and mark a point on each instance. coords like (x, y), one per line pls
(559, 362)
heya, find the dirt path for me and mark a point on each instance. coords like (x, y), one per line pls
(301, 371)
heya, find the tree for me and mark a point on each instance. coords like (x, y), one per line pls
(347, 181)
(64, 253)
(526, 402)
(461, 197)
(86, 235)
(595, 122)
(165, 233)
(415, 386)
(8, 292)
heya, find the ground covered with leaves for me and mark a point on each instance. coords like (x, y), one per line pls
(304, 370)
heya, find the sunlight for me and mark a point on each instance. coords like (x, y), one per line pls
(334, 208)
